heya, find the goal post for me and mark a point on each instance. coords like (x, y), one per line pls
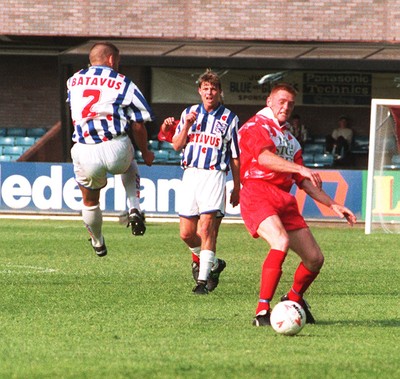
(382, 207)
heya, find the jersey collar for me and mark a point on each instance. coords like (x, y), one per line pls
(267, 112)
(213, 112)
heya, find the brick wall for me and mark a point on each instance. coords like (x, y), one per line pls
(307, 20)
(29, 92)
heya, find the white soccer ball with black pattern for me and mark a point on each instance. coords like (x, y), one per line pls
(288, 318)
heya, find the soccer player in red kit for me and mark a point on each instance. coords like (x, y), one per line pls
(271, 162)
(167, 129)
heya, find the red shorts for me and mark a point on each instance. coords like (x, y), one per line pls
(260, 200)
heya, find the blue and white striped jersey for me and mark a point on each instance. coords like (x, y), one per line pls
(212, 139)
(103, 103)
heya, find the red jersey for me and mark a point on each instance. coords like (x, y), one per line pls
(262, 132)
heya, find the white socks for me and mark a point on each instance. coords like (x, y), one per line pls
(131, 181)
(93, 219)
(206, 263)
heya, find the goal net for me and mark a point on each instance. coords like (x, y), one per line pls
(382, 208)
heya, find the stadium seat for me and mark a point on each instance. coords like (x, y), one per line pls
(153, 145)
(3, 132)
(323, 160)
(16, 132)
(314, 148)
(7, 141)
(24, 141)
(164, 145)
(396, 159)
(160, 156)
(13, 150)
(360, 144)
(308, 159)
(174, 156)
(35, 132)
(138, 156)
(5, 158)
(319, 139)
(394, 164)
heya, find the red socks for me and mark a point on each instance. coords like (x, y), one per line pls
(270, 275)
(195, 258)
(303, 278)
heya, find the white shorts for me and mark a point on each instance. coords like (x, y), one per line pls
(202, 191)
(92, 162)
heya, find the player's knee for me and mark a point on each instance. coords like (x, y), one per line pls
(316, 261)
(186, 236)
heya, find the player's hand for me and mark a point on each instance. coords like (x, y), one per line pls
(148, 157)
(190, 119)
(234, 198)
(169, 122)
(344, 212)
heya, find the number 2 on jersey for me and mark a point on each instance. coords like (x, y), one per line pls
(94, 94)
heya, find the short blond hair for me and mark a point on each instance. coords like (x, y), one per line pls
(283, 86)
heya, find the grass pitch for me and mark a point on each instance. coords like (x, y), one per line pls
(66, 313)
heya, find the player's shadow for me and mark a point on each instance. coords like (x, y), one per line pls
(369, 323)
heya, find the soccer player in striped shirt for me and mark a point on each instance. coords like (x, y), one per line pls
(105, 107)
(207, 133)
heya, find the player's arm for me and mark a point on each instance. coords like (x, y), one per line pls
(179, 141)
(235, 168)
(276, 163)
(139, 132)
(322, 197)
(167, 124)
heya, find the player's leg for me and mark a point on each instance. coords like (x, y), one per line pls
(207, 233)
(91, 177)
(189, 217)
(274, 233)
(93, 219)
(218, 265)
(303, 243)
(210, 197)
(131, 182)
(188, 229)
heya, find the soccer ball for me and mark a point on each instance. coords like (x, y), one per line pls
(288, 318)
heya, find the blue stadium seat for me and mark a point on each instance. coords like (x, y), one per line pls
(164, 145)
(5, 158)
(394, 164)
(323, 160)
(13, 150)
(35, 132)
(153, 145)
(319, 139)
(7, 141)
(24, 141)
(396, 159)
(16, 132)
(360, 144)
(314, 148)
(3, 132)
(160, 156)
(174, 156)
(138, 156)
(308, 159)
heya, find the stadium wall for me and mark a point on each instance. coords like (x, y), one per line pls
(50, 188)
(280, 20)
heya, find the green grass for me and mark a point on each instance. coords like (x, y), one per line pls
(65, 313)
